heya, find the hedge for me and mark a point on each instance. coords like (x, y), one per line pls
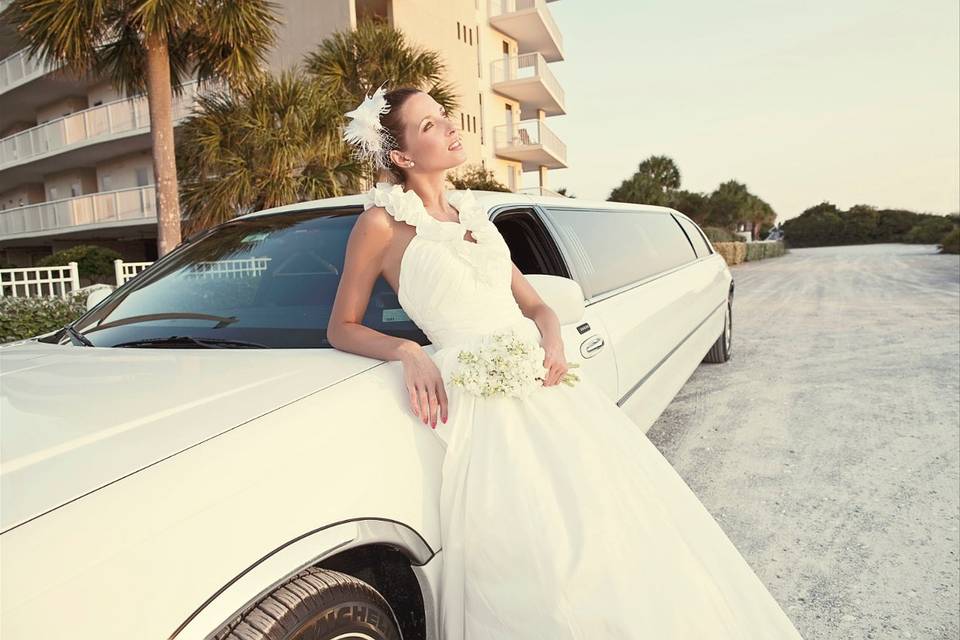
(951, 242)
(737, 252)
(22, 318)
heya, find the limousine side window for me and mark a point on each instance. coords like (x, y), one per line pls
(614, 248)
(532, 248)
(699, 242)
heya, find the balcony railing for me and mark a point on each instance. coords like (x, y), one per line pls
(540, 191)
(498, 8)
(20, 67)
(123, 116)
(527, 66)
(65, 215)
(515, 140)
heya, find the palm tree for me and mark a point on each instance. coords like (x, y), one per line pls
(351, 64)
(655, 179)
(279, 141)
(152, 46)
(276, 143)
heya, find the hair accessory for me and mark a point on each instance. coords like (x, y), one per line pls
(372, 141)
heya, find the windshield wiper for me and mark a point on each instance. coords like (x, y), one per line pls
(221, 321)
(210, 343)
(76, 337)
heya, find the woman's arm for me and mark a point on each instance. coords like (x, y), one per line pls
(533, 306)
(368, 243)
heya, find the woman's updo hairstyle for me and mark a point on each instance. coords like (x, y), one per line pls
(394, 125)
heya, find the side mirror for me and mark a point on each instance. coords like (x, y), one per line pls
(98, 294)
(563, 295)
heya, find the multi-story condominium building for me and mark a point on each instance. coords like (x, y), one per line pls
(75, 161)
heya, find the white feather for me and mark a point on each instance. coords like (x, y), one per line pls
(365, 131)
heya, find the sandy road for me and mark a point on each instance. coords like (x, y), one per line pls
(828, 447)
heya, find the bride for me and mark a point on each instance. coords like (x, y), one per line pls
(559, 518)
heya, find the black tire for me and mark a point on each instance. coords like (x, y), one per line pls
(317, 604)
(720, 351)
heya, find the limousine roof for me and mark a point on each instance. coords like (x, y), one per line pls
(485, 198)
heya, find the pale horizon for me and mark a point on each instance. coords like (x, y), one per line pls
(852, 103)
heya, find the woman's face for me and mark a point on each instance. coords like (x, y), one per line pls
(432, 139)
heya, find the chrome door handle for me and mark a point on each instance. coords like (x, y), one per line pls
(590, 347)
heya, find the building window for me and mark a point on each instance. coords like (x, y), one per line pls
(458, 31)
(481, 118)
(471, 37)
(462, 125)
(142, 180)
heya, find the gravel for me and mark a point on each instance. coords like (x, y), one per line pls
(827, 447)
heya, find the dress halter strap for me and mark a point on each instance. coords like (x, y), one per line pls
(406, 206)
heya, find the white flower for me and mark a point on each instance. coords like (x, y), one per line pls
(507, 366)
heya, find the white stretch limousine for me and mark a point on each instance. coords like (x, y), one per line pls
(229, 474)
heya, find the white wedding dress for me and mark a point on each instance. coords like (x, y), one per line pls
(559, 518)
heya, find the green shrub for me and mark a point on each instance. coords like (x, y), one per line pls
(951, 242)
(94, 263)
(22, 318)
(719, 234)
(762, 250)
(477, 178)
(930, 230)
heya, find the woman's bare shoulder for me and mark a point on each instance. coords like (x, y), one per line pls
(376, 223)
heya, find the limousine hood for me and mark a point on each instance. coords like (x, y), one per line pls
(73, 419)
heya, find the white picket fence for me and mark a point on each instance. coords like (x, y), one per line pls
(45, 282)
(126, 270)
(28, 282)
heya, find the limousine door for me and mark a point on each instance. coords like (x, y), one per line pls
(641, 277)
(534, 250)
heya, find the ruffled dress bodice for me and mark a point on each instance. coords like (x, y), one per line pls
(455, 290)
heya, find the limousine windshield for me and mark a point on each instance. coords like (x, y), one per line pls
(263, 281)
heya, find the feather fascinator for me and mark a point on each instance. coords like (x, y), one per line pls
(370, 138)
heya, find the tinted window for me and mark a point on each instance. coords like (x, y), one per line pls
(268, 279)
(696, 237)
(616, 248)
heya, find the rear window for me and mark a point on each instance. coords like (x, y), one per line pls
(697, 239)
(268, 279)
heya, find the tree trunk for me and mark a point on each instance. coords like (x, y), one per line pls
(160, 100)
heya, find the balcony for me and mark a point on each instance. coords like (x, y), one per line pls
(20, 68)
(26, 84)
(123, 207)
(528, 79)
(529, 23)
(85, 137)
(530, 142)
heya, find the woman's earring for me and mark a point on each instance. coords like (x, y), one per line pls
(411, 164)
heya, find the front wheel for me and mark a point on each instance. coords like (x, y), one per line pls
(720, 351)
(316, 604)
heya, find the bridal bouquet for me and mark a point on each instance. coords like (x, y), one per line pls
(508, 366)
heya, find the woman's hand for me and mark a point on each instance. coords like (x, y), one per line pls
(424, 387)
(555, 362)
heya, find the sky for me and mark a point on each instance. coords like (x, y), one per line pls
(846, 101)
